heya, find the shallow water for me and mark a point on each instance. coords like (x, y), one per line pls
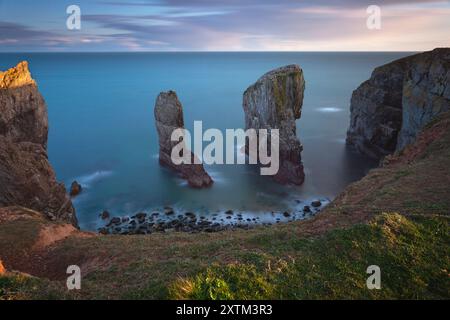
(102, 130)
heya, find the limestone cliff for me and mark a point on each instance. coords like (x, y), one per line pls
(400, 98)
(169, 116)
(275, 102)
(26, 177)
(23, 113)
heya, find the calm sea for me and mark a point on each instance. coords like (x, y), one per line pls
(102, 130)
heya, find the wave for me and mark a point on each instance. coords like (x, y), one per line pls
(217, 176)
(87, 180)
(329, 109)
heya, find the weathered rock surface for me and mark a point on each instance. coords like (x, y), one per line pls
(169, 116)
(426, 92)
(26, 177)
(23, 113)
(400, 98)
(275, 102)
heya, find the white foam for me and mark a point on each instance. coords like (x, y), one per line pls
(217, 176)
(88, 179)
(329, 109)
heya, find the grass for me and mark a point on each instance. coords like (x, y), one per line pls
(412, 255)
(18, 286)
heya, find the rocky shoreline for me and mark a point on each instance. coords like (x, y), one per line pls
(173, 220)
(387, 112)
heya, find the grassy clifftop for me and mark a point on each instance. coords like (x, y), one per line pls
(397, 217)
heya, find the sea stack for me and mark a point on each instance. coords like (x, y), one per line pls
(275, 102)
(169, 117)
(393, 106)
(26, 177)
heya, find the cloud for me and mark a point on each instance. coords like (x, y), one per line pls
(224, 25)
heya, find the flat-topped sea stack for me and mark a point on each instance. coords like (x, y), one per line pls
(275, 102)
(169, 117)
(26, 177)
(393, 106)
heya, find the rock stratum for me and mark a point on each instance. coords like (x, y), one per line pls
(389, 110)
(169, 117)
(275, 102)
(26, 176)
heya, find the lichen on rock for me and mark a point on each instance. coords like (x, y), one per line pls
(275, 102)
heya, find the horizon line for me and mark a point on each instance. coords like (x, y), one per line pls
(219, 51)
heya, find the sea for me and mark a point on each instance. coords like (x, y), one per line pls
(102, 128)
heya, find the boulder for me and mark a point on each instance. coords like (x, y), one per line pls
(400, 98)
(275, 102)
(105, 215)
(75, 189)
(169, 116)
(26, 176)
(316, 203)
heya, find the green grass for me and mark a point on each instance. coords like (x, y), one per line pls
(411, 252)
(17, 286)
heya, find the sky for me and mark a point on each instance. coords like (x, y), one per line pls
(224, 25)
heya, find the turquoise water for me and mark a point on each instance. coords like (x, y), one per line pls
(102, 130)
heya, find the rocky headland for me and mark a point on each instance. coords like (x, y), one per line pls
(169, 117)
(389, 110)
(275, 102)
(396, 217)
(26, 176)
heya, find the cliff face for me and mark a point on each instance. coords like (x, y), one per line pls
(23, 114)
(26, 177)
(274, 102)
(400, 98)
(169, 116)
(426, 92)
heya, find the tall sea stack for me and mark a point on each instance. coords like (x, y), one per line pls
(169, 116)
(275, 102)
(26, 177)
(400, 98)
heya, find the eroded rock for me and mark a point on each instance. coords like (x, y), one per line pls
(75, 189)
(400, 98)
(23, 112)
(275, 102)
(169, 116)
(26, 177)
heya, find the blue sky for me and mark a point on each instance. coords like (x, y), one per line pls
(224, 25)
